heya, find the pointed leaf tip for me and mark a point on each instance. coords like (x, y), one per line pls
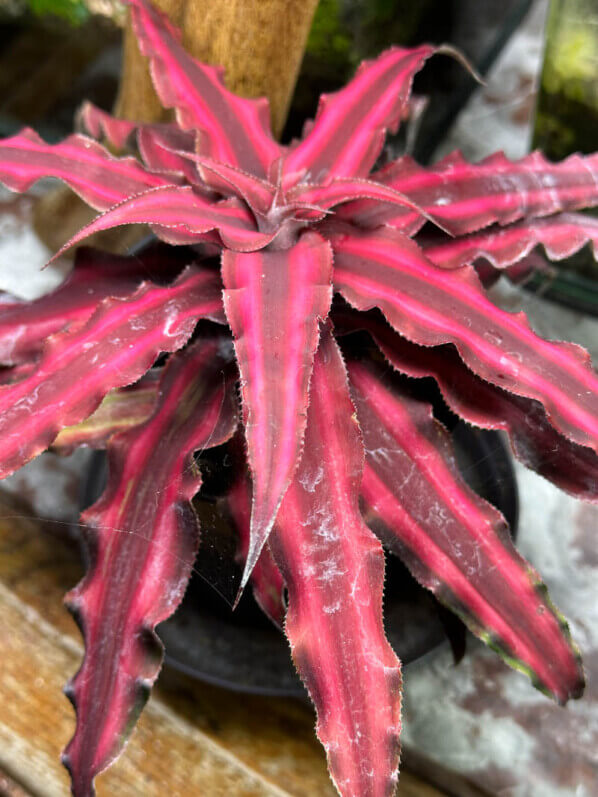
(348, 132)
(180, 215)
(454, 542)
(333, 567)
(233, 129)
(273, 301)
(145, 537)
(432, 306)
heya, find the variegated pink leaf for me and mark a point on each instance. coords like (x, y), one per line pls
(273, 301)
(348, 132)
(84, 165)
(333, 567)
(117, 344)
(369, 214)
(339, 191)
(561, 236)
(233, 130)
(266, 579)
(144, 536)
(227, 180)
(221, 177)
(102, 125)
(25, 326)
(156, 142)
(535, 442)
(168, 149)
(180, 215)
(465, 197)
(121, 409)
(454, 542)
(431, 306)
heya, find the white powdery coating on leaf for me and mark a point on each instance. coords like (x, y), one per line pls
(481, 716)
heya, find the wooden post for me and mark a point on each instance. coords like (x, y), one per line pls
(259, 43)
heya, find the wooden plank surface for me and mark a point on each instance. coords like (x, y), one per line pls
(191, 739)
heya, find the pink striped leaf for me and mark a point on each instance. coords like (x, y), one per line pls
(348, 132)
(25, 326)
(144, 536)
(465, 197)
(454, 542)
(535, 442)
(333, 567)
(156, 142)
(121, 409)
(561, 236)
(369, 213)
(266, 579)
(180, 215)
(233, 129)
(258, 194)
(84, 165)
(165, 148)
(273, 301)
(340, 190)
(230, 181)
(115, 347)
(102, 125)
(431, 306)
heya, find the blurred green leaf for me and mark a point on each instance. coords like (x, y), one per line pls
(74, 11)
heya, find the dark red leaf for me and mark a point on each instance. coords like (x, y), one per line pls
(227, 180)
(348, 132)
(534, 440)
(164, 149)
(465, 197)
(144, 537)
(180, 215)
(84, 165)
(454, 542)
(561, 236)
(234, 130)
(339, 191)
(273, 301)
(333, 567)
(102, 125)
(116, 346)
(431, 306)
(156, 142)
(25, 326)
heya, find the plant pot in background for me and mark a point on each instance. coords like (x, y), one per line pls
(242, 650)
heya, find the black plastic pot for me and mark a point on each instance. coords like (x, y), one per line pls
(244, 651)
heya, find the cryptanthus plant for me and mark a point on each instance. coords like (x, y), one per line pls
(172, 351)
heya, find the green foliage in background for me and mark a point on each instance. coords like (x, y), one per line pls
(73, 11)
